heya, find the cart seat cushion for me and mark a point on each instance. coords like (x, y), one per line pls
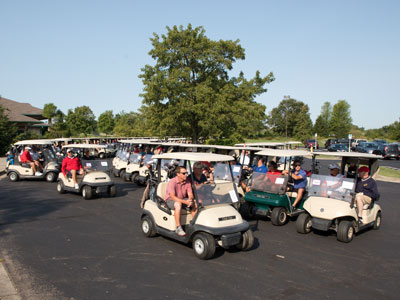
(162, 189)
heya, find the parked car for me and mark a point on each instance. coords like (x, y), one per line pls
(379, 141)
(338, 148)
(355, 143)
(311, 143)
(330, 142)
(388, 151)
(367, 147)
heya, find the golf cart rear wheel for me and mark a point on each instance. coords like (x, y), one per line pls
(134, 177)
(87, 192)
(378, 221)
(203, 245)
(345, 232)
(247, 241)
(13, 176)
(60, 187)
(101, 155)
(51, 176)
(112, 191)
(122, 174)
(148, 227)
(303, 224)
(246, 210)
(279, 216)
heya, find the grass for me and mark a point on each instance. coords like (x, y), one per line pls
(388, 172)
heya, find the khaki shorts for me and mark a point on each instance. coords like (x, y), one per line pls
(365, 199)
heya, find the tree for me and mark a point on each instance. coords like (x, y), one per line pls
(49, 111)
(131, 124)
(106, 122)
(81, 121)
(283, 118)
(7, 131)
(304, 128)
(341, 119)
(188, 91)
(394, 131)
(322, 123)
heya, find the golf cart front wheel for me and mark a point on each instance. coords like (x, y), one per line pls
(50, 177)
(346, 231)
(247, 241)
(203, 245)
(303, 224)
(87, 192)
(60, 187)
(13, 176)
(148, 227)
(278, 216)
(378, 221)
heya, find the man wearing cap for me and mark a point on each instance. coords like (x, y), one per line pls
(71, 165)
(366, 190)
(26, 158)
(334, 171)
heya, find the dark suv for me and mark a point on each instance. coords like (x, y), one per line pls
(329, 142)
(388, 151)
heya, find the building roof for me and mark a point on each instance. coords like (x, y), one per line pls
(21, 112)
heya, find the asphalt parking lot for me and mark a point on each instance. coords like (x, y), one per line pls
(63, 247)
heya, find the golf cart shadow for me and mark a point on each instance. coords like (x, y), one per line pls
(126, 187)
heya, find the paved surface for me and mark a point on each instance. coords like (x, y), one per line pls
(62, 247)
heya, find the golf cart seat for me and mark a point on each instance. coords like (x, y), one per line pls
(161, 192)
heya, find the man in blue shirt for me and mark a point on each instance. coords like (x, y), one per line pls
(260, 167)
(299, 177)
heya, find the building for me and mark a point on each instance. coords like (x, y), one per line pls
(26, 117)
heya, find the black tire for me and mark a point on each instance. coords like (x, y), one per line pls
(87, 192)
(112, 190)
(60, 187)
(51, 177)
(203, 245)
(246, 211)
(247, 241)
(134, 177)
(378, 221)
(345, 232)
(279, 216)
(122, 173)
(148, 228)
(13, 176)
(303, 224)
(101, 155)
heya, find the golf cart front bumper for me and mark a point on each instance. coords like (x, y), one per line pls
(321, 224)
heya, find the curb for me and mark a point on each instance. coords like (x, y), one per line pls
(7, 289)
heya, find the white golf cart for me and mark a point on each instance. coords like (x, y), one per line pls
(331, 201)
(96, 178)
(46, 156)
(216, 222)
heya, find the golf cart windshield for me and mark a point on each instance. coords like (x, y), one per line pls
(269, 183)
(134, 158)
(331, 187)
(221, 190)
(147, 158)
(49, 155)
(95, 165)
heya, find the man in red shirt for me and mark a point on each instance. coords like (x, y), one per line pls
(179, 193)
(26, 158)
(72, 165)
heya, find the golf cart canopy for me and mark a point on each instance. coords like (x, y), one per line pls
(194, 156)
(283, 152)
(85, 146)
(34, 142)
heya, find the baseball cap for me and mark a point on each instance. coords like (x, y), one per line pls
(333, 166)
(69, 150)
(363, 169)
(28, 148)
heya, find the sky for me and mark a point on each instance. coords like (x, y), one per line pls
(91, 52)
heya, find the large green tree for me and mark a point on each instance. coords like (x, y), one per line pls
(49, 111)
(341, 120)
(322, 123)
(106, 123)
(131, 124)
(7, 131)
(81, 121)
(56, 119)
(303, 129)
(284, 118)
(188, 92)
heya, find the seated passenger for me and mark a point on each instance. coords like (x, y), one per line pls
(299, 181)
(366, 191)
(72, 166)
(198, 176)
(86, 155)
(26, 158)
(180, 195)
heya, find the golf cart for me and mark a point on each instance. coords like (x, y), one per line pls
(331, 201)
(47, 158)
(271, 195)
(216, 222)
(96, 178)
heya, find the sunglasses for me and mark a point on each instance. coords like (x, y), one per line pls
(297, 165)
(184, 173)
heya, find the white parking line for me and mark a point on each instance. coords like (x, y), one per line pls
(7, 290)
